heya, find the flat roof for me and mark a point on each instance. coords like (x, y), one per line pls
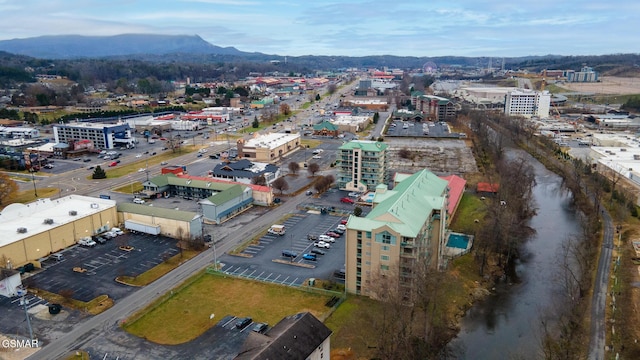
(270, 140)
(32, 215)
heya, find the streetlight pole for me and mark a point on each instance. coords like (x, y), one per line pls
(33, 179)
(24, 302)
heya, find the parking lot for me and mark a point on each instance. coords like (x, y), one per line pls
(101, 265)
(421, 129)
(265, 262)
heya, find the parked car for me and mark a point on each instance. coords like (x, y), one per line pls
(343, 221)
(113, 164)
(260, 328)
(108, 235)
(322, 244)
(346, 200)
(87, 241)
(117, 231)
(333, 234)
(326, 238)
(317, 251)
(100, 240)
(342, 227)
(289, 253)
(164, 163)
(310, 257)
(243, 323)
(138, 201)
(338, 231)
(312, 237)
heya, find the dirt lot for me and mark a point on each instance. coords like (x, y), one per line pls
(607, 85)
(441, 156)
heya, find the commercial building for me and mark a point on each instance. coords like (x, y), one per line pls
(33, 231)
(300, 336)
(325, 128)
(244, 171)
(220, 200)
(103, 136)
(586, 74)
(352, 123)
(363, 165)
(177, 224)
(269, 147)
(527, 103)
(404, 231)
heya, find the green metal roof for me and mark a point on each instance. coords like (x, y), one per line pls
(157, 211)
(410, 204)
(226, 195)
(171, 179)
(325, 125)
(364, 145)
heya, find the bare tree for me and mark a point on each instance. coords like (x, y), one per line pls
(7, 188)
(331, 88)
(280, 184)
(259, 180)
(294, 167)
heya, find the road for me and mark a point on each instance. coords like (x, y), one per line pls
(91, 329)
(597, 337)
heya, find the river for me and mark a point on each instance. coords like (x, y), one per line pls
(506, 324)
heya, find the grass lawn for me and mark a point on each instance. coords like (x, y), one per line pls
(93, 307)
(470, 208)
(311, 143)
(131, 188)
(184, 316)
(29, 196)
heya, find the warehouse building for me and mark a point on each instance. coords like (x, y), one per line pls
(35, 230)
(177, 224)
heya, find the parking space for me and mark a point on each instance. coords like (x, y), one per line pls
(421, 129)
(267, 264)
(86, 273)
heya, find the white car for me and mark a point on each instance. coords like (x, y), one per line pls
(142, 170)
(326, 238)
(354, 194)
(139, 155)
(117, 231)
(321, 244)
(317, 157)
(138, 201)
(341, 227)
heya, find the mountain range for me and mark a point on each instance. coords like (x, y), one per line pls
(77, 46)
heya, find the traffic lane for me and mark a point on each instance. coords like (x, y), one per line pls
(101, 265)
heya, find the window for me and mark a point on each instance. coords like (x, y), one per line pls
(368, 234)
(384, 267)
(384, 257)
(385, 247)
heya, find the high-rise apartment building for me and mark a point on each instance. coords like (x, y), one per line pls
(527, 103)
(404, 231)
(363, 165)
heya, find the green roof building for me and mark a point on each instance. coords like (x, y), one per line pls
(363, 165)
(403, 232)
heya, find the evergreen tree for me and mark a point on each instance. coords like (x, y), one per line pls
(98, 173)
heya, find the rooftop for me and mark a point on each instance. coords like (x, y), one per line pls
(32, 216)
(364, 145)
(271, 140)
(407, 207)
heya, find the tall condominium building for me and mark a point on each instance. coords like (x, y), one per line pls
(436, 108)
(363, 165)
(103, 136)
(404, 231)
(527, 103)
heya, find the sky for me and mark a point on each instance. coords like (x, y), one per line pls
(492, 28)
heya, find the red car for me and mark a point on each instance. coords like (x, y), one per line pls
(344, 221)
(113, 164)
(163, 139)
(346, 200)
(333, 234)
